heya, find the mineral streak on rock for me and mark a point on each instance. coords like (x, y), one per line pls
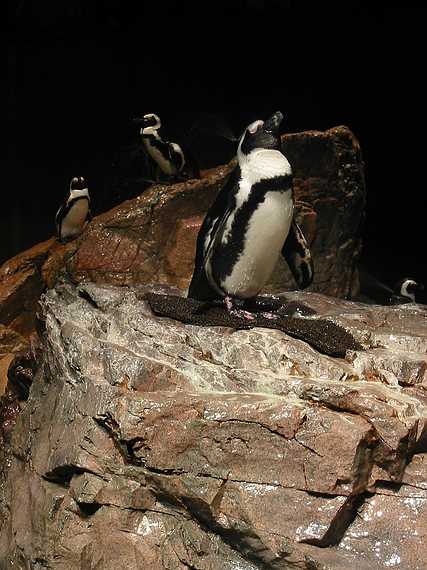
(150, 443)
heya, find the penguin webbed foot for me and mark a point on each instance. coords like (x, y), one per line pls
(235, 308)
(232, 305)
(245, 309)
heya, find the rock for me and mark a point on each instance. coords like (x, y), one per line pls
(5, 361)
(151, 443)
(21, 371)
(151, 238)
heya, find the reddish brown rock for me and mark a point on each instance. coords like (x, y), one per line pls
(21, 283)
(162, 445)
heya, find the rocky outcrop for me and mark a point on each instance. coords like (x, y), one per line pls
(151, 443)
(151, 239)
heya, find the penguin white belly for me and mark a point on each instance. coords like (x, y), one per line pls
(266, 233)
(165, 166)
(74, 221)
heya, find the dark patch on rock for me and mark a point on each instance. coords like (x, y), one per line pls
(323, 335)
(21, 372)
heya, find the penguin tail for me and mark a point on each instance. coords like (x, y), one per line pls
(200, 288)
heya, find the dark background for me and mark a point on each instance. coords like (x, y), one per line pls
(78, 70)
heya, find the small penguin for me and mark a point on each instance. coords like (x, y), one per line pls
(374, 291)
(168, 156)
(72, 216)
(404, 291)
(250, 224)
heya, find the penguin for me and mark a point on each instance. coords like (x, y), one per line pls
(74, 213)
(168, 156)
(404, 291)
(374, 291)
(250, 225)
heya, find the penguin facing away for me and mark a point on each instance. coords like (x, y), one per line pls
(250, 225)
(74, 213)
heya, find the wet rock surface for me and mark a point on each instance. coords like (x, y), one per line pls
(151, 238)
(150, 443)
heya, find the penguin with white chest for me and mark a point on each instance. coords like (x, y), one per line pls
(168, 156)
(250, 225)
(374, 291)
(74, 213)
(405, 291)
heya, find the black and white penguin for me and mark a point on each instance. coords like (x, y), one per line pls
(374, 291)
(250, 224)
(168, 156)
(405, 291)
(74, 213)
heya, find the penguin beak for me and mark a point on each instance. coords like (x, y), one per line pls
(272, 124)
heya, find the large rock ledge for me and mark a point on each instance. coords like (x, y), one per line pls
(147, 443)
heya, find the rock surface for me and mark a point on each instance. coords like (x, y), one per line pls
(148, 443)
(151, 239)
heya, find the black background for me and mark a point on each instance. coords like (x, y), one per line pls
(79, 70)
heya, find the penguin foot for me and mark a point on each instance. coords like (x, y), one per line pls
(233, 309)
(269, 315)
(233, 306)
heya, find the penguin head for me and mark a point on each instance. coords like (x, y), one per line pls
(151, 121)
(408, 288)
(261, 135)
(78, 183)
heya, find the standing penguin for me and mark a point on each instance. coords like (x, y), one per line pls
(72, 216)
(405, 291)
(374, 291)
(168, 156)
(250, 224)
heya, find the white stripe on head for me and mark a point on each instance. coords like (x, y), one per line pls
(152, 129)
(261, 163)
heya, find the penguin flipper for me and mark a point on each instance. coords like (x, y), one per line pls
(58, 220)
(298, 256)
(199, 287)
